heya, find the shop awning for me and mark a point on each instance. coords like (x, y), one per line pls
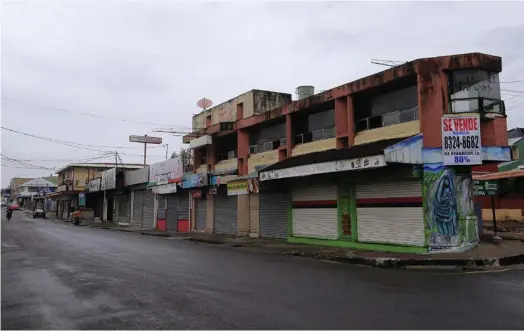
(500, 175)
(362, 157)
(335, 154)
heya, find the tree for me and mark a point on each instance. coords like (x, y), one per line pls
(187, 158)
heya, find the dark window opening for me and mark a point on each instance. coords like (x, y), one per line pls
(267, 137)
(389, 104)
(227, 147)
(317, 123)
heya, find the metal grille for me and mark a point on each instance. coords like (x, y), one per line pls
(149, 210)
(183, 205)
(138, 208)
(273, 214)
(200, 213)
(172, 211)
(315, 222)
(391, 225)
(226, 214)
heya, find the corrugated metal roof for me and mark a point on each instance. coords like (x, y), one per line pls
(512, 141)
(500, 175)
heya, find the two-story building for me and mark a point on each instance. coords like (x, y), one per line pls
(380, 163)
(15, 186)
(38, 187)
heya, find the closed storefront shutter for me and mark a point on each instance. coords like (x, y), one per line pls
(390, 212)
(183, 205)
(172, 211)
(315, 210)
(273, 214)
(138, 208)
(200, 213)
(122, 208)
(149, 210)
(226, 213)
(161, 207)
(254, 215)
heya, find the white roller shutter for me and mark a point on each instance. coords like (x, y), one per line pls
(391, 223)
(315, 211)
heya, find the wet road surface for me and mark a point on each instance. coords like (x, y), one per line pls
(57, 276)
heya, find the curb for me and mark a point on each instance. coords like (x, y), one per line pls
(205, 241)
(155, 234)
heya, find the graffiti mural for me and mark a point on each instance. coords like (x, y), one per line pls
(449, 214)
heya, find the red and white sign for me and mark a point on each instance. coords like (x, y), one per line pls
(461, 143)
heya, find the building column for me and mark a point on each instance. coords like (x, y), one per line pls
(432, 91)
(289, 135)
(242, 151)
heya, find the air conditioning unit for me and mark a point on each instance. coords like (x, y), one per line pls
(231, 155)
(318, 135)
(268, 146)
(283, 142)
(253, 149)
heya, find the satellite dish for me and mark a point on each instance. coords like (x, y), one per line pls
(204, 103)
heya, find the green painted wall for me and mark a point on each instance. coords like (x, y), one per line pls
(515, 164)
(357, 245)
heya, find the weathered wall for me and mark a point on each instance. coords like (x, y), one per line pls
(226, 165)
(243, 214)
(407, 129)
(259, 159)
(266, 100)
(210, 213)
(315, 146)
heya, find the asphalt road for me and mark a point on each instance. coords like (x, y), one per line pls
(58, 276)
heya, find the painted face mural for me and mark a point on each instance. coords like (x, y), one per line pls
(445, 205)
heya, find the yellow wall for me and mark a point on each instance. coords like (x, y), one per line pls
(315, 146)
(226, 164)
(259, 159)
(388, 132)
(243, 211)
(202, 168)
(502, 214)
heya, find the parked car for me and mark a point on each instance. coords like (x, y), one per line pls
(39, 211)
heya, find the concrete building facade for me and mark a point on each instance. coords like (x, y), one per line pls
(376, 163)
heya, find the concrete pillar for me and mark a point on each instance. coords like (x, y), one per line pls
(432, 104)
(210, 213)
(243, 215)
(289, 135)
(242, 151)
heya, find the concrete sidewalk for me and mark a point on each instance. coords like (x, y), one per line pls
(486, 255)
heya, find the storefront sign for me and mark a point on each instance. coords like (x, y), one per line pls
(81, 199)
(485, 187)
(195, 180)
(369, 162)
(196, 194)
(94, 185)
(166, 172)
(253, 185)
(461, 140)
(108, 179)
(238, 188)
(164, 189)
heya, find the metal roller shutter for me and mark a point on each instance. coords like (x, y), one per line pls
(200, 213)
(315, 211)
(172, 211)
(387, 220)
(149, 210)
(138, 204)
(254, 215)
(122, 208)
(273, 214)
(226, 214)
(183, 205)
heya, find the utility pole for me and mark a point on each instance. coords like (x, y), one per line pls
(145, 151)
(167, 149)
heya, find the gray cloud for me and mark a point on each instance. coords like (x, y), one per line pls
(151, 61)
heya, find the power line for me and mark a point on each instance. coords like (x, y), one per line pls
(68, 143)
(91, 115)
(23, 163)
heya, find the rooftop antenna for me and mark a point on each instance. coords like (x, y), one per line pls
(387, 63)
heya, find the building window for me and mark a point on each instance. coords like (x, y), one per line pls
(475, 91)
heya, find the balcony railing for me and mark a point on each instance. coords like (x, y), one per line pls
(477, 105)
(227, 156)
(316, 135)
(267, 146)
(392, 118)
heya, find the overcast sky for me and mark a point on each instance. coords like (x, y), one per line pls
(150, 61)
